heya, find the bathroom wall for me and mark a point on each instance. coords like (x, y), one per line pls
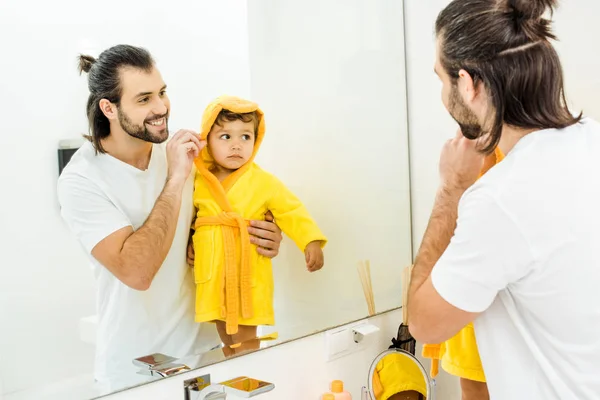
(46, 285)
(333, 93)
(577, 29)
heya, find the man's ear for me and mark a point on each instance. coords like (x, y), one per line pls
(467, 86)
(108, 109)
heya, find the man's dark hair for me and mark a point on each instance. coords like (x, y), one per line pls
(104, 83)
(506, 45)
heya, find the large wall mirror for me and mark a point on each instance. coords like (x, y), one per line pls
(330, 79)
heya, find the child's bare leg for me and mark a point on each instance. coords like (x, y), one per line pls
(246, 336)
(473, 390)
(225, 338)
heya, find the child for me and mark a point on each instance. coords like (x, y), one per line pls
(234, 284)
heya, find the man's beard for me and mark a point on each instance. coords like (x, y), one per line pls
(466, 119)
(141, 132)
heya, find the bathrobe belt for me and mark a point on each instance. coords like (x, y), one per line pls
(231, 224)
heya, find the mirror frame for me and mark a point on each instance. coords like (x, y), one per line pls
(429, 383)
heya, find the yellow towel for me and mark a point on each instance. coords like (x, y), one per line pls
(459, 355)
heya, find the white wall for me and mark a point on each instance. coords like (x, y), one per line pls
(45, 283)
(577, 29)
(329, 76)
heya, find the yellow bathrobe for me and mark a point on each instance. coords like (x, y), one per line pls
(459, 355)
(233, 282)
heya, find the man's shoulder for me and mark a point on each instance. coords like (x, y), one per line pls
(81, 173)
(79, 164)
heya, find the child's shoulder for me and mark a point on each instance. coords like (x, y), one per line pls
(260, 173)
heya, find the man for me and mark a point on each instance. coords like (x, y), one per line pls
(513, 252)
(127, 197)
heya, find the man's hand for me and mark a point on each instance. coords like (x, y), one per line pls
(460, 163)
(266, 235)
(190, 250)
(182, 149)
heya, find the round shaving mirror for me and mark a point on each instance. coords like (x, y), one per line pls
(396, 374)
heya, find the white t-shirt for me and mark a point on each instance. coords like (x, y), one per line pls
(99, 195)
(525, 253)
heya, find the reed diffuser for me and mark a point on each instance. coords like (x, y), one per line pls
(364, 272)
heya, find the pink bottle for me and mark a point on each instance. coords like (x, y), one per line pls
(337, 389)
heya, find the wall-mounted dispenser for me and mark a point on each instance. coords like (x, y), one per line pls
(66, 149)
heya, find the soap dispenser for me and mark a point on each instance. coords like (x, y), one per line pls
(337, 389)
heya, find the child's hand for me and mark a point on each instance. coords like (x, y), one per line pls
(314, 256)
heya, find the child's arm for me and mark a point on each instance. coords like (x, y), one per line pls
(295, 221)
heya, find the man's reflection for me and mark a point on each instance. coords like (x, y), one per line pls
(127, 197)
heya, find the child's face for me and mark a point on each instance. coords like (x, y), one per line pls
(231, 145)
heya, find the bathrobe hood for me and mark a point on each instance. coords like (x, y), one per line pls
(236, 105)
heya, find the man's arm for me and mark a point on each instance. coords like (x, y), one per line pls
(135, 257)
(463, 262)
(431, 318)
